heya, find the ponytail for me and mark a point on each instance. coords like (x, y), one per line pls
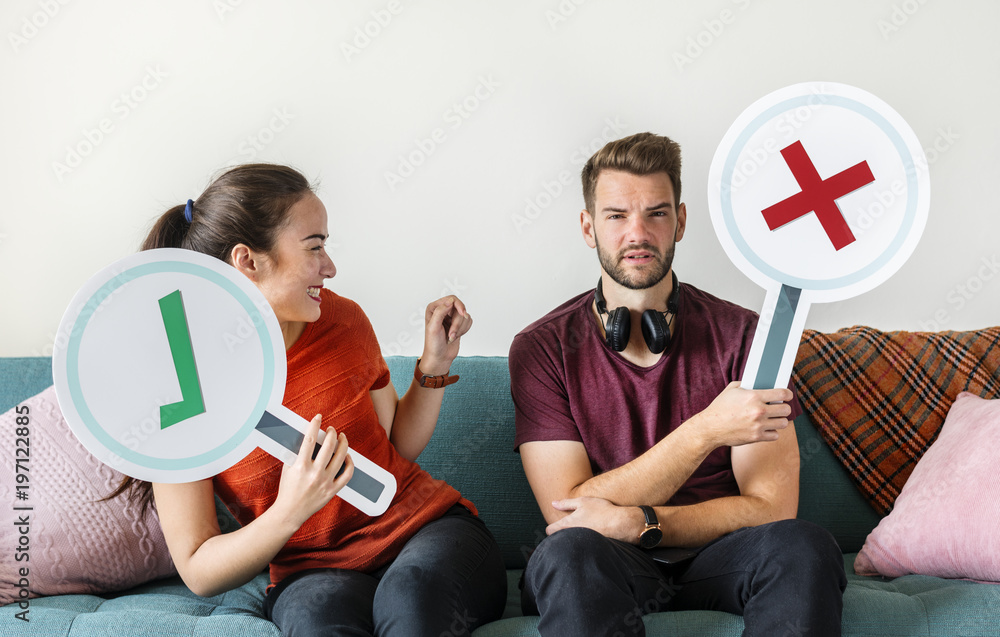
(168, 231)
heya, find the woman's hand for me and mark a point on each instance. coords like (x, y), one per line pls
(445, 322)
(309, 483)
(211, 562)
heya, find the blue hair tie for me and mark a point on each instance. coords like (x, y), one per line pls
(187, 210)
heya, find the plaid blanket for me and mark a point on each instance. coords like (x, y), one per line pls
(880, 398)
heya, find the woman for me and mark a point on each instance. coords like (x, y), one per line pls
(428, 561)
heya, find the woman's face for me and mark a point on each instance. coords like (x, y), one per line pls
(293, 273)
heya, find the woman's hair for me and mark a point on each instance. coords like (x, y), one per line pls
(247, 205)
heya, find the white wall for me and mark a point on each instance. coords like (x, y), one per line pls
(184, 88)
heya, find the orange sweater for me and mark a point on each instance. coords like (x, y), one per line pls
(331, 369)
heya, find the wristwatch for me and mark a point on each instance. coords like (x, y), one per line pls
(433, 382)
(651, 535)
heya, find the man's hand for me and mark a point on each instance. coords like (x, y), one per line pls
(615, 522)
(740, 416)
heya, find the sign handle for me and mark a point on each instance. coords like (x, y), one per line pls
(281, 432)
(775, 343)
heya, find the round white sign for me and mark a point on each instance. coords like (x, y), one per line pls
(818, 192)
(170, 367)
(822, 187)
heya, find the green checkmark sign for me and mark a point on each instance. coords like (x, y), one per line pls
(179, 336)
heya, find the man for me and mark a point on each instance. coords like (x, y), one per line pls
(632, 440)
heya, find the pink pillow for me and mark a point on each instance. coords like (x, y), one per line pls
(73, 543)
(945, 520)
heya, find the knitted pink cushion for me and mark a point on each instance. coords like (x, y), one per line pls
(945, 520)
(73, 542)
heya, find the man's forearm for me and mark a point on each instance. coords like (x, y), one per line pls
(736, 417)
(697, 524)
(655, 476)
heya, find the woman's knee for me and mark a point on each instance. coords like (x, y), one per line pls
(324, 602)
(459, 588)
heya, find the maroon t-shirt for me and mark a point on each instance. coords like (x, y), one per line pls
(567, 384)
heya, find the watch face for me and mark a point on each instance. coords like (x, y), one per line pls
(650, 538)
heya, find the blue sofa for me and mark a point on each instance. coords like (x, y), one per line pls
(472, 449)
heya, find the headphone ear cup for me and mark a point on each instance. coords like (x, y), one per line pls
(655, 331)
(618, 328)
(674, 302)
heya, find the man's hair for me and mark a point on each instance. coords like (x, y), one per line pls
(639, 154)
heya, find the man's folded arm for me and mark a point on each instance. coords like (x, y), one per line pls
(766, 472)
(768, 477)
(560, 469)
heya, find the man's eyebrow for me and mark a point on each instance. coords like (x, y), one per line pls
(661, 205)
(321, 237)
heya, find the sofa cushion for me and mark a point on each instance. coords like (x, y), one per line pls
(880, 398)
(918, 605)
(473, 450)
(946, 517)
(23, 377)
(873, 607)
(165, 607)
(827, 495)
(73, 542)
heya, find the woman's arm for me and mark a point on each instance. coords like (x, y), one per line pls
(410, 420)
(210, 562)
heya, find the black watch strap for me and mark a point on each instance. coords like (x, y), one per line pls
(651, 534)
(650, 515)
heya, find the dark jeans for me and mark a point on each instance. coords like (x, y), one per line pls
(447, 580)
(785, 578)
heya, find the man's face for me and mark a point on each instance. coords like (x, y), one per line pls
(634, 226)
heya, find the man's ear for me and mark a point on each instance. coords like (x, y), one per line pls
(246, 261)
(587, 228)
(681, 222)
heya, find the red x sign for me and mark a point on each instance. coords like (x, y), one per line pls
(818, 195)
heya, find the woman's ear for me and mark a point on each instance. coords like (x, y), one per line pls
(244, 259)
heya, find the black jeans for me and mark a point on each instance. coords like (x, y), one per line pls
(447, 580)
(785, 578)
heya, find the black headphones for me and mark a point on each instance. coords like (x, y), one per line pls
(655, 328)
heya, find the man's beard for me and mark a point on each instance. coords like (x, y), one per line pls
(640, 280)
